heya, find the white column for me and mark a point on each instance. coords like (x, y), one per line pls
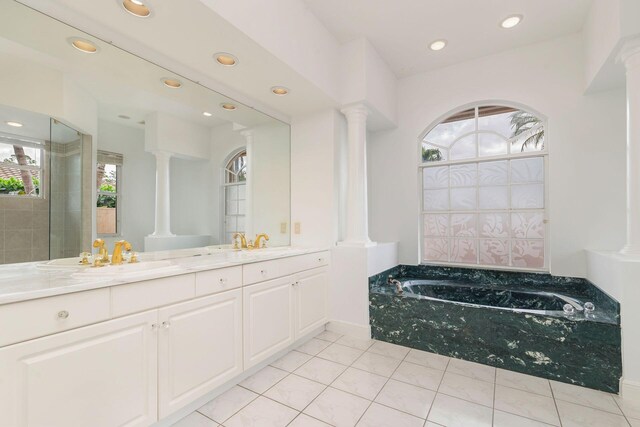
(163, 195)
(248, 204)
(630, 56)
(357, 221)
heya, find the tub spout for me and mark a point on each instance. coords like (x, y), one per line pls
(395, 283)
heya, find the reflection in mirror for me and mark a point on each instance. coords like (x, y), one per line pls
(108, 150)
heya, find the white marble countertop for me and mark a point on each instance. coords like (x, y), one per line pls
(26, 281)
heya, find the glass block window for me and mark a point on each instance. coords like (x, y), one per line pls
(483, 189)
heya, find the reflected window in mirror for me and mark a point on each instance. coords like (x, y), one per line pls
(21, 166)
(234, 190)
(109, 191)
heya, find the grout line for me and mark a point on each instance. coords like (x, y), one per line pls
(438, 388)
(623, 413)
(382, 388)
(555, 404)
(493, 409)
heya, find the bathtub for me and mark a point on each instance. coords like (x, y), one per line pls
(485, 296)
(531, 323)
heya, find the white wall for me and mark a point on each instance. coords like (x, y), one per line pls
(138, 180)
(271, 197)
(316, 142)
(586, 140)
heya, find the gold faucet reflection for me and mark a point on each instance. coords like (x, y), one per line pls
(103, 253)
(116, 257)
(264, 237)
(243, 241)
(244, 244)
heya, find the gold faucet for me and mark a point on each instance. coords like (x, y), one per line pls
(116, 257)
(243, 241)
(103, 253)
(264, 237)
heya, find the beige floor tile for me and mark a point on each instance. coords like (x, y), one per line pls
(466, 388)
(383, 416)
(361, 383)
(264, 379)
(525, 404)
(407, 398)
(472, 370)
(337, 408)
(376, 363)
(453, 412)
(573, 415)
(291, 361)
(418, 375)
(340, 354)
(584, 396)
(228, 403)
(295, 391)
(389, 350)
(320, 370)
(523, 382)
(430, 360)
(262, 412)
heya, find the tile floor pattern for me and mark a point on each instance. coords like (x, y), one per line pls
(341, 381)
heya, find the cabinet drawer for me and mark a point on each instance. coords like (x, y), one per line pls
(267, 270)
(31, 319)
(126, 299)
(224, 279)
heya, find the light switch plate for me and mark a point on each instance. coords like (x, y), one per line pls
(283, 227)
(296, 228)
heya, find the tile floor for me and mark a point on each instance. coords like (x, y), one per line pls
(339, 381)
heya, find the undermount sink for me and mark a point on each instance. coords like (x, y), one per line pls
(127, 271)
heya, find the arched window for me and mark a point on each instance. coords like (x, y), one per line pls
(235, 180)
(483, 189)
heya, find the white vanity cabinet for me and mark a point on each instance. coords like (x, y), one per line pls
(103, 375)
(311, 294)
(278, 312)
(268, 319)
(199, 348)
(132, 354)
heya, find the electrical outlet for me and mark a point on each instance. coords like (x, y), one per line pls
(283, 227)
(296, 228)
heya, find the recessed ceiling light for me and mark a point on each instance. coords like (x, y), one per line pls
(207, 114)
(172, 83)
(228, 106)
(511, 21)
(438, 44)
(280, 90)
(14, 124)
(226, 59)
(83, 45)
(136, 8)
(122, 116)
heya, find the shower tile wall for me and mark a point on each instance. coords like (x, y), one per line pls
(24, 229)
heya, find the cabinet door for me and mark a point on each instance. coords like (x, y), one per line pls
(311, 300)
(200, 348)
(268, 319)
(99, 375)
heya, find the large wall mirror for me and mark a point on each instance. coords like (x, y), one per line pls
(98, 143)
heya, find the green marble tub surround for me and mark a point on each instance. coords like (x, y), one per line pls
(579, 349)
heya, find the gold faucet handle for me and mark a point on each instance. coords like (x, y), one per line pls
(134, 258)
(84, 258)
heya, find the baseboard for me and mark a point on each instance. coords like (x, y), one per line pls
(351, 329)
(630, 390)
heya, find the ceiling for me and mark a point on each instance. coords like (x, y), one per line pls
(401, 30)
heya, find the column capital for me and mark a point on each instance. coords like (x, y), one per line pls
(162, 155)
(630, 53)
(355, 110)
